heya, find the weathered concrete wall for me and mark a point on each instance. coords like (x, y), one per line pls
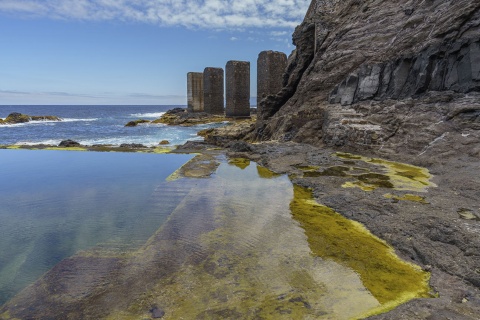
(238, 89)
(213, 90)
(271, 66)
(195, 92)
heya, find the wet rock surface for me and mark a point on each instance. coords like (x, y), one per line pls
(181, 117)
(15, 118)
(429, 232)
(69, 144)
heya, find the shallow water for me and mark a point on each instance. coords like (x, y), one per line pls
(242, 244)
(53, 204)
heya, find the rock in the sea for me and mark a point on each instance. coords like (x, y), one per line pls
(16, 117)
(69, 144)
(164, 142)
(132, 145)
(136, 123)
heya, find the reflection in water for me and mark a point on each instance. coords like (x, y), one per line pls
(53, 204)
(243, 244)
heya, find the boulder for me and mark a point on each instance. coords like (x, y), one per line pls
(69, 144)
(132, 145)
(136, 123)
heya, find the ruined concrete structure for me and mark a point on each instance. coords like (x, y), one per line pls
(195, 92)
(238, 89)
(213, 90)
(271, 66)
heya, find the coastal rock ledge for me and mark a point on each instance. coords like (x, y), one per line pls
(15, 118)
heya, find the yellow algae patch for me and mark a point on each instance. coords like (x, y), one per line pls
(331, 236)
(266, 173)
(399, 176)
(163, 150)
(241, 163)
(66, 149)
(406, 197)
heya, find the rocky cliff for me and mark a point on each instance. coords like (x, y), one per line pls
(395, 76)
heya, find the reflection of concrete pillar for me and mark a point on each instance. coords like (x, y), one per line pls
(238, 89)
(271, 66)
(195, 91)
(213, 97)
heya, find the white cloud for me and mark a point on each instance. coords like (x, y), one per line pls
(217, 14)
(233, 39)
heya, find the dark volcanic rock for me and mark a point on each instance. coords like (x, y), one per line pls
(132, 145)
(69, 144)
(16, 117)
(136, 123)
(353, 51)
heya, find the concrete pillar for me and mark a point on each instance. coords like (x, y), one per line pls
(213, 96)
(195, 92)
(271, 66)
(238, 89)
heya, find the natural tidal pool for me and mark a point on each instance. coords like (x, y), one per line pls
(54, 203)
(244, 243)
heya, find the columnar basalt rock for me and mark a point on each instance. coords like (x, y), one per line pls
(213, 90)
(454, 67)
(195, 92)
(238, 89)
(271, 66)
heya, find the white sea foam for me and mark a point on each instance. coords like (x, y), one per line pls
(31, 143)
(79, 120)
(148, 115)
(45, 122)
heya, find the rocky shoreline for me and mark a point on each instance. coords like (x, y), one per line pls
(441, 233)
(438, 228)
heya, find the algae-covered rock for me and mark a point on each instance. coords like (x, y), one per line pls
(180, 117)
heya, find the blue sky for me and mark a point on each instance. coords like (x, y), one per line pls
(131, 51)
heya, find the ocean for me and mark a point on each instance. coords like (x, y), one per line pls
(91, 125)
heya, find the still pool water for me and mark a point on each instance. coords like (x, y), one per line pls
(53, 204)
(244, 243)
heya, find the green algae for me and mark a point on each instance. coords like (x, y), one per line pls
(467, 214)
(66, 149)
(241, 163)
(266, 173)
(406, 197)
(318, 268)
(308, 168)
(331, 236)
(336, 171)
(398, 176)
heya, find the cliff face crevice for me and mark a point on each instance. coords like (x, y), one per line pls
(354, 53)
